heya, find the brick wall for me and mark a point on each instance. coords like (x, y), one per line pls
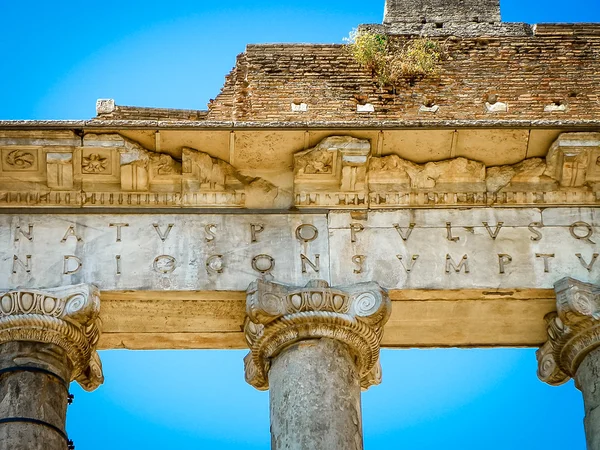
(559, 63)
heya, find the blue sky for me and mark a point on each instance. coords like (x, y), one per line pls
(59, 57)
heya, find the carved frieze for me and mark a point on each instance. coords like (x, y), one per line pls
(209, 181)
(110, 170)
(279, 315)
(333, 174)
(573, 331)
(570, 174)
(50, 168)
(36, 168)
(67, 317)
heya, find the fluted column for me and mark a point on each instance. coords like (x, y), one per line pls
(47, 339)
(573, 348)
(315, 347)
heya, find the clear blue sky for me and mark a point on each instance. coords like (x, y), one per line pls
(59, 57)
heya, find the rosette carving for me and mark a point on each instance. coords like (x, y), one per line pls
(573, 330)
(279, 315)
(66, 316)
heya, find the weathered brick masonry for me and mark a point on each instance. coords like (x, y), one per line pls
(557, 64)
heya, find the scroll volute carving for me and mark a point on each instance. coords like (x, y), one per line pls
(279, 315)
(573, 330)
(68, 317)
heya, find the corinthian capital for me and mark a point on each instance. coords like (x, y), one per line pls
(279, 315)
(573, 330)
(66, 316)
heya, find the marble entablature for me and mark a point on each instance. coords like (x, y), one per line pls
(414, 249)
(340, 172)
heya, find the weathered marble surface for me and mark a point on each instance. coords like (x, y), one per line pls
(315, 398)
(154, 258)
(430, 243)
(33, 395)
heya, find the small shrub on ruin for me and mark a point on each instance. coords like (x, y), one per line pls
(394, 61)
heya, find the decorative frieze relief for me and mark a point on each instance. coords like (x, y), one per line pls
(110, 170)
(569, 175)
(66, 316)
(340, 172)
(279, 315)
(209, 181)
(573, 331)
(333, 173)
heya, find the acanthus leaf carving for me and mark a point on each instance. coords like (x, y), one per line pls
(66, 316)
(279, 315)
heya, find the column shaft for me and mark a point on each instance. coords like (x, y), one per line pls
(315, 397)
(588, 380)
(34, 381)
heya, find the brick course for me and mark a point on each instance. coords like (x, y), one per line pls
(559, 63)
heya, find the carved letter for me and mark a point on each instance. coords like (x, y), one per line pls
(214, 264)
(163, 236)
(359, 260)
(66, 270)
(450, 264)
(164, 264)
(411, 264)
(71, 232)
(449, 230)
(503, 261)
(546, 262)
(493, 234)
(211, 230)
(589, 266)
(355, 228)
(118, 261)
(314, 266)
(263, 263)
(307, 232)
(256, 228)
(404, 234)
(588, 234)
(27, 234)
(119, 226)
(27, 265)
(532, 227)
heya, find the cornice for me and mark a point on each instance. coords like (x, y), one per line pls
(94, 124)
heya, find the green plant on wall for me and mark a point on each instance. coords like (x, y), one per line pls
(393, 61)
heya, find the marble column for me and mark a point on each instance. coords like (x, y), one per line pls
(573, 348)
(47, 339)
(315, 347)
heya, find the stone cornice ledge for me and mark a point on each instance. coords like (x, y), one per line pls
(363, 124)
